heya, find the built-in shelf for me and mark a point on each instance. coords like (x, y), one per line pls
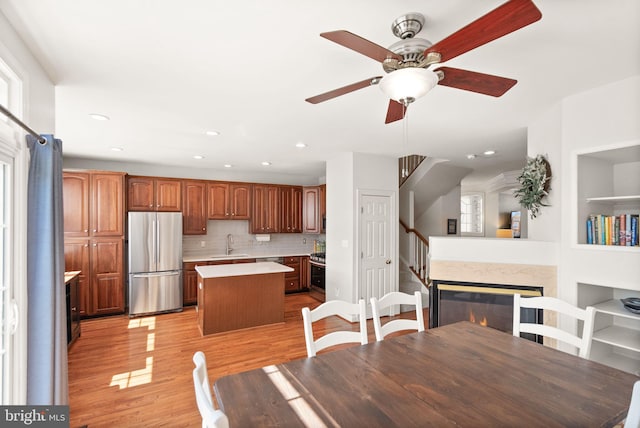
(615, 199)
(621, 337)
(615, 307)
(616, 336)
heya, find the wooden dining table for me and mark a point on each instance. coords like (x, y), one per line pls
(461, 375)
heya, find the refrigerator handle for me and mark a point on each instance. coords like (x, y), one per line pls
(154, 242)
(155, 274)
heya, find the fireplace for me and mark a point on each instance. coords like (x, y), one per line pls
(490, 305)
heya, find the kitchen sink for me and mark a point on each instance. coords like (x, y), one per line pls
(229, 256)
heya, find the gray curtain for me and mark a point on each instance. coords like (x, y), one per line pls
(47, 381)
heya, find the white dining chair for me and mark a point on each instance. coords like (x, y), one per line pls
(391, 299)
(334, 308)
(587, 315)
(633, 415)
(211, 417)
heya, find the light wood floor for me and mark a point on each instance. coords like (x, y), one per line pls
(138, 372)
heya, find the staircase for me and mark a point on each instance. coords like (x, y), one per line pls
(406, 166)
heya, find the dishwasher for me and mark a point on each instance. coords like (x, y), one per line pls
(270, 259)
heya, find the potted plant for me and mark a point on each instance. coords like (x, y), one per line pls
(534, 184)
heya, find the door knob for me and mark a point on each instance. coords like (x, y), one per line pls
(388, 261)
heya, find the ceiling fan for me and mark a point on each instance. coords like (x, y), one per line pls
(408, 62)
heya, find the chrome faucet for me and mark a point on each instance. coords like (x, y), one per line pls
(229, 244)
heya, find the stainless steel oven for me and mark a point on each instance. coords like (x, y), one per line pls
(317, 270)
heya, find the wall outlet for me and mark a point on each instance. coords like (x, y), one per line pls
(202, 244)
(304, 240)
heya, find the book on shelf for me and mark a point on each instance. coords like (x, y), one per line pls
(616, 230)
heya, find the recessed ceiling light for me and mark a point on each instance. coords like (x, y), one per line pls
(490, 152)
(198, 157)
(98, 116)
(471, 156)
(212, 133)
(301, 145)
(228, 165)
(117, 149)
(266, 163)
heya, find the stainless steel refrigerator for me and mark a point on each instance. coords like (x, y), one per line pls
(155, 262)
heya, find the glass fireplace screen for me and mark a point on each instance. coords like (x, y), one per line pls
(490, 305)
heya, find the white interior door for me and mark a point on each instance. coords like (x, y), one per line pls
(377, 246)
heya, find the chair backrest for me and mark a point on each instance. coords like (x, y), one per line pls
(396, 298)
(633, 415)
(211, 417)
(587, 315)
(337, 308)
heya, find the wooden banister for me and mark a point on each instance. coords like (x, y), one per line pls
(419, 249)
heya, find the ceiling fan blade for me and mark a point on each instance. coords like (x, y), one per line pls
(472, 81)
(360, 45)
(344, 90)
(395, 111)
(501, 21)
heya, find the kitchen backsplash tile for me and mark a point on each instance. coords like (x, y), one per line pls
(215, 241)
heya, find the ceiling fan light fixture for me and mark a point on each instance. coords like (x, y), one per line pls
(408, 84)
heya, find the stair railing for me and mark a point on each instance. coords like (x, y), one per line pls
(408, 164)
(419, 257)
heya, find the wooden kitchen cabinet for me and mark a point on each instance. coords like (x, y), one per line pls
(101, 280)
(75, 197)
(194, 207)
(293, 281)
(311, 220)
(290, 209)
(106, 271)
(154, 194)
(95, 246)
(305, 273)
(265, 209)
(229, 201)
(93, 204)
(76, 258)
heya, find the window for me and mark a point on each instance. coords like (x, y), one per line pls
(472, 214)
(13, 226)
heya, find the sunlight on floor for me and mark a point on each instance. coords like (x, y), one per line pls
(135, 377)
(141, 376)
(299, 405)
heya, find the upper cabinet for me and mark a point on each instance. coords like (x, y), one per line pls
(194, 207)
(94, 204)
(228, 201)
(153, 194)
(265, 209)
(313, 209)
(290, 209)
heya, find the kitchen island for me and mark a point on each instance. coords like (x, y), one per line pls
(235, 296)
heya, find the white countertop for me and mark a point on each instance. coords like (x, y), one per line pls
(241, 269)
(218, 257)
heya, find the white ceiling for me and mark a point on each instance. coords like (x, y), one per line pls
(165, 71)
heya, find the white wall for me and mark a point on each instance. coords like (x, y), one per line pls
(347, 174)
(433, 221)
(545, 137)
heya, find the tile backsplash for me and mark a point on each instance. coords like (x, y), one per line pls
(215, 241)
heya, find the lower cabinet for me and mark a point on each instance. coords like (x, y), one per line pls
(190, 278)
(298, 279)
(101, 280)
